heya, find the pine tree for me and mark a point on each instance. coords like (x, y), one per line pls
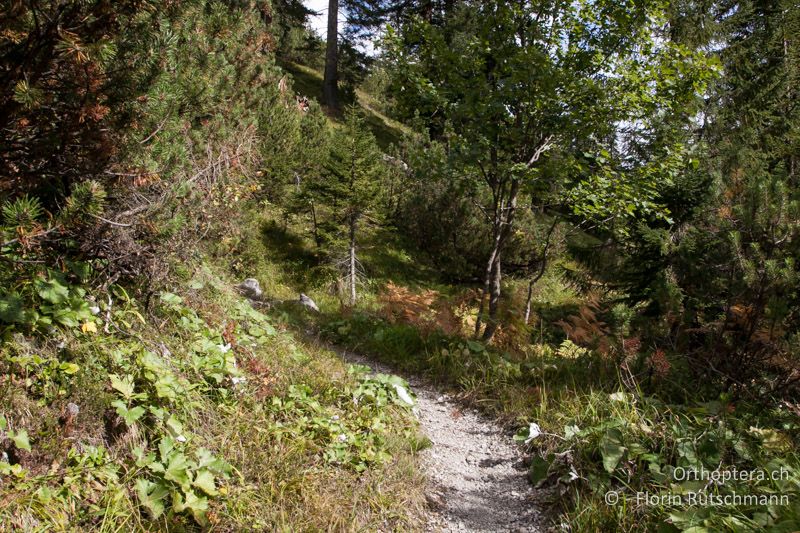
(350, 185)
(758, 215)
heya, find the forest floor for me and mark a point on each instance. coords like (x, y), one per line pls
(477, 478)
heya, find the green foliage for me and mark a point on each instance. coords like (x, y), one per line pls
(18, 437)
(637, 445)
(24, 212)
(350, 185)
(354, 437)
(87, 200)
(45, 378)
(173, 477)
(45, 303)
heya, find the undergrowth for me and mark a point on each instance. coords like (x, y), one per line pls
(195, 412)
(613, 441)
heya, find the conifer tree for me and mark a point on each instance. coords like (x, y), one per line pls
(350, 186)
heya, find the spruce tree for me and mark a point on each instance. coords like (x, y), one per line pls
(350, 185)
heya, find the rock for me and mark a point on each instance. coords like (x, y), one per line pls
(435, 500)
(308, 303)
(73, 409)
(250, 288)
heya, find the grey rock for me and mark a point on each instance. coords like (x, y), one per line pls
(73, 409)
(308, 303)
(250, 288)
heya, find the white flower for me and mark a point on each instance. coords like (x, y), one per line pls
(335, 417)
(224, 348)
(342, 438)
(95, 310)
(236, 381)
(180, 438)
(534, 431)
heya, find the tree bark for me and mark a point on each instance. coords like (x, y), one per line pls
(330, 84)
(316, 226)
(528, 299)
(504, 212)
(494, 300)
(352, 275)
(542, 268)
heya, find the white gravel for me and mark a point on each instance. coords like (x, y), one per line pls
(477, 479)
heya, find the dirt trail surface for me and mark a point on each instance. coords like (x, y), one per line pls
(477, 477)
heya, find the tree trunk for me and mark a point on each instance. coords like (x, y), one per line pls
(487, 281)
(330, 85)
(528, 299)
(494, 300)
(503, 223)
(542, 268)
(352, 276)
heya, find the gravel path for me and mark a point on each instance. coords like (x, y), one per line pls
(475, 469)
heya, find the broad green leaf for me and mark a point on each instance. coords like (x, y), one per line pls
(128, 415)
(122, 385)
(476, 347)
(539, 469)
(204, 480)
(178, 470)
(20, 439)
(171, 299)
(12, 310)
(165, 447)
(205, 459)
(190, 501)
(612, 449)
(51, 291)
(151, 495)
(69, 368)
(174, 427)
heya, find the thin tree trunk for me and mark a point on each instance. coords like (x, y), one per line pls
(503, 224)
(494, 300)
(487, 280)
(330, 85)
(528, 299)
(316, 227)
(542, 268)
(353, 262)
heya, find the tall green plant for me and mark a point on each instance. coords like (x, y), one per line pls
(509, 86)
(350, 184)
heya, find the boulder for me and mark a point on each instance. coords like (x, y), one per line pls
(250, 288)
(308, 303)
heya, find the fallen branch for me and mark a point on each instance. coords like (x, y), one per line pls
(35, 236)
(120, 224)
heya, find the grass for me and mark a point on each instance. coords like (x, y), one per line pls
(387, 131)
(603, 429)
(283, 476)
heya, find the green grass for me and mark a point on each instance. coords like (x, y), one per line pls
(387, 131)
(282, 474)
(588, 406)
